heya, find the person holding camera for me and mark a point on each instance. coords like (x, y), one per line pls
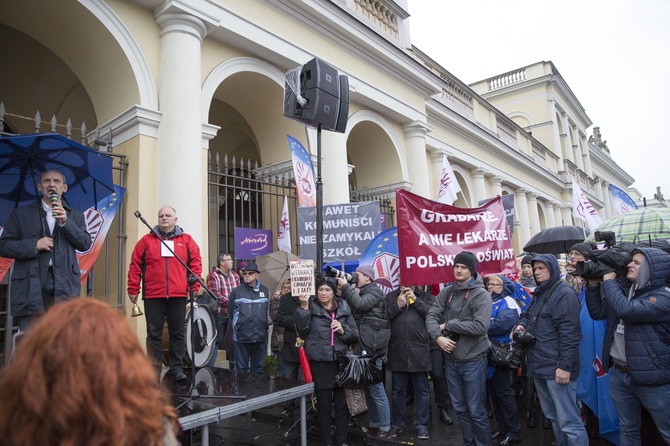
(504, 315)
(466, 307)
(368, 304)
(636, 347)
(551, 330)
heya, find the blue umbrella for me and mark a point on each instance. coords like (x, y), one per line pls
(23, 158)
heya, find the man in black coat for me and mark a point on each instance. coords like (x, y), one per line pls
(42, 238)
(409, 356)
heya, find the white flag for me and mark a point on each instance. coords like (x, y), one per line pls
(284, 233)
(448, 185)
(582, 209)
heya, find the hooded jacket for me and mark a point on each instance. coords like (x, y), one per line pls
(646, 318)
(555, 325)
(163, 277)
(505, 313)
(467, 312)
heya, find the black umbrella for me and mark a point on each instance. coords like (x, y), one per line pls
(557, 240)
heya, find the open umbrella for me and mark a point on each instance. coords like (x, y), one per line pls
(23, 158)
(639, 225)
(556, 240)
(275, 268)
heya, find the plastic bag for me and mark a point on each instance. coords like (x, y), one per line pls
(499, 355)
(359, 370)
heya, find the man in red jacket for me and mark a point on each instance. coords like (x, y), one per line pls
(164, 286)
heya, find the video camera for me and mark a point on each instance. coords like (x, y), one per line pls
(598, 263)
(334, 272)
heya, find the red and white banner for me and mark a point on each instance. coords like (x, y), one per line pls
(284, 233)
(582, 208)
(430, 234)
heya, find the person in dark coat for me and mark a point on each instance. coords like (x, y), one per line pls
(409, 356)
(328, 329)
(636, 346)
(42, 238)
(286, 319)
(553, 360)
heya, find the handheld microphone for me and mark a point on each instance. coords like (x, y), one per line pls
(54, 200)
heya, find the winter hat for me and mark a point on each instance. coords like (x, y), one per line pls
(328, 283)
(527, 259)
(242, 265)
(583, 248)
(367, 270)
(468, 259)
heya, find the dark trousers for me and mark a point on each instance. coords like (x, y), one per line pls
(421, 398)
(221, 325)
(437, 377)
(325, 399)
(250, 356)
(157, 311)
(499, 389)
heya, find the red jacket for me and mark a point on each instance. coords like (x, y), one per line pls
(163, 277)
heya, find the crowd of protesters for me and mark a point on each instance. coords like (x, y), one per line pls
(441, 344)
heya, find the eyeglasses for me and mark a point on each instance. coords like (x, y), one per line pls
(249, 273)
(494, 285)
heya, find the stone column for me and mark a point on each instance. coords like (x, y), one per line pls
(549, 212)
(415, 141)
(567, 215)
(496, 186)
(609, 205)
(478, 185)
(558, 216)
(336, 175)
(180, 171)
(521, 206)
(556, 137)
(533, 215)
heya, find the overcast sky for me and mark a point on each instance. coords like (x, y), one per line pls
(614, 55)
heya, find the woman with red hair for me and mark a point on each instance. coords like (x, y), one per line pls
(79, 377)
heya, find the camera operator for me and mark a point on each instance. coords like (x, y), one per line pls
(368, 305)
(553, 360)
(637, 340)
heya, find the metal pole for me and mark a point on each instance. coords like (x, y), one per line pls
(319, 206)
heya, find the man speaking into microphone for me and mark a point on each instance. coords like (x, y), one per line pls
(42, 238)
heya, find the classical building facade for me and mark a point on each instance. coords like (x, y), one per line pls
(187, 92)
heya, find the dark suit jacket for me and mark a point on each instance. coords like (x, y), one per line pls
(25, 226)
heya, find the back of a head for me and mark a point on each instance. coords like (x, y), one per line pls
(80, 376)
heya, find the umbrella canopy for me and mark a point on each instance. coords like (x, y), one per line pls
(639, 226)
(275, 268)
(23, 158)
(556, 240)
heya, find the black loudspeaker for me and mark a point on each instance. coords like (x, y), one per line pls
(343, 114)
(321, 108)
(318, 74)
(321, 88)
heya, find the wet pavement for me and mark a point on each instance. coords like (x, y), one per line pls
(276, 426)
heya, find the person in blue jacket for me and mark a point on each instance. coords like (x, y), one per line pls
(553, 360)
(636, 347)
(504, 315)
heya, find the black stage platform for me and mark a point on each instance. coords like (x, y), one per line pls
(224, 393)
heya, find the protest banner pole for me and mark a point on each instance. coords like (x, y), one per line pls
(319, 206)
